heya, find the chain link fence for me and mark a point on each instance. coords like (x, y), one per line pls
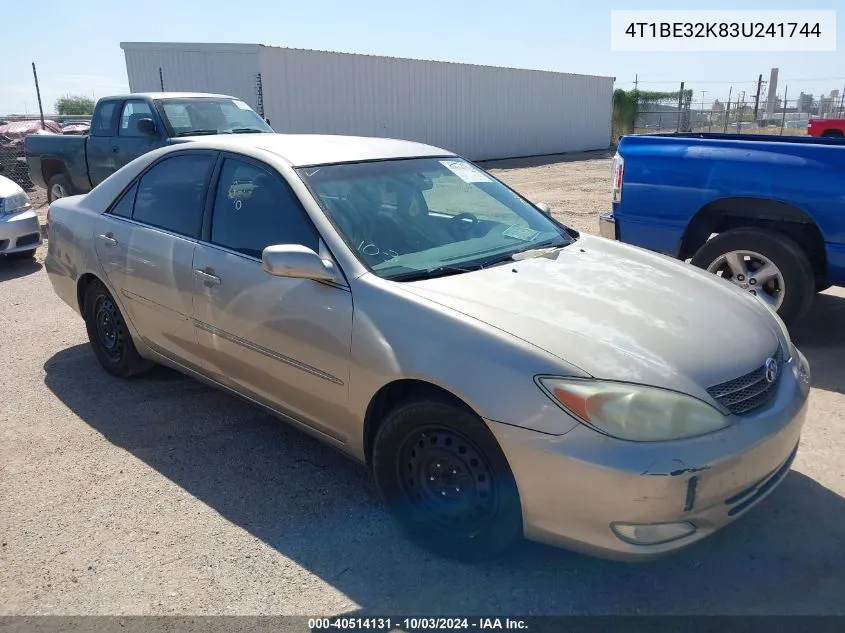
(14, 128)
(739, 116)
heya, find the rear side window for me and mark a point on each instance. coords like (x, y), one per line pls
(101, 123)
(254, 209)
(171, 194)
(123, 208)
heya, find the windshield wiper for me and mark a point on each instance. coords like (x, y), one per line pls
(431, 273)
(246, 130)
(198, 132)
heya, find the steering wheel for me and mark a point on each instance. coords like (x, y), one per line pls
(460, 221)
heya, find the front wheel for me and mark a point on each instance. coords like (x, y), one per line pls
(767, 264)
(446, 481)
(109, 334)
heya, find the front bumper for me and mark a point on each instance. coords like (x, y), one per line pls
(573, 487)
(607, 226)
(19, 232)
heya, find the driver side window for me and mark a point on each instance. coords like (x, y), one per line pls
(133, 111)
(255, 208)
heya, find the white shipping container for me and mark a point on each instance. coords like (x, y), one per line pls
(481, 112)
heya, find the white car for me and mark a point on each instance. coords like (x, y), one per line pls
(20, 230)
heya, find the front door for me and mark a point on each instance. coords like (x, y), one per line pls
(146, 244)
(130, 143)
(284, 341)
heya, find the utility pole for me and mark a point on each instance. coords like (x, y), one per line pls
(785, 103)
(757, 98)
(636, 81)
(841, 103)
(728, 109)
(680, 106)
(38, 94)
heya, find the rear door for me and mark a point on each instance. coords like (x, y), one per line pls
(284, 341)
(129, 143)
(146, 243)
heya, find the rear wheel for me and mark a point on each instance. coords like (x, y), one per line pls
(109, 335)
(446, 481)
(767, 264)
(833, 133)
(58, 187)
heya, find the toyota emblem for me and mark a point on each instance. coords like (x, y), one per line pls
(771, 370)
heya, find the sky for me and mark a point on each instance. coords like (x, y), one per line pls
(76, 45)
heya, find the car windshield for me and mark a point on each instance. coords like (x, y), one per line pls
(205, 115)
(425, 217)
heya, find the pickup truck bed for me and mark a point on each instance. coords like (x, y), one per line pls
(734, 203)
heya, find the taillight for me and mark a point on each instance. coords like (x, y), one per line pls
(618, 169)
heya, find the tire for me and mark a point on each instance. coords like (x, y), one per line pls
(799, 283)
(481, 516)
(109, 336)
(59, 186)
(832, 134)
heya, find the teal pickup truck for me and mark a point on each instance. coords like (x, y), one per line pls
(126, 126)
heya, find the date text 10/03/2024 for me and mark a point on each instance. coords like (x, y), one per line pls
(723, 29)
(416, 624)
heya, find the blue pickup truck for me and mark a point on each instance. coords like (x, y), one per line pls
(766, 213)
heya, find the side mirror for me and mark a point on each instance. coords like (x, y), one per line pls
(147, 127)
(297, 262)
(544, 208)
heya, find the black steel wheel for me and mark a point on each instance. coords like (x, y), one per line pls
(109, 335)
(446, 481)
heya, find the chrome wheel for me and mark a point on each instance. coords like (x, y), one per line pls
(447, 481)
(57, 191)
(754, 273)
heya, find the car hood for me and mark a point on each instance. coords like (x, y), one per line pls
(8, 188)
(619, 313)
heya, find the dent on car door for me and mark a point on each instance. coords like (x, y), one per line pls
(146, 243)
(283, 341)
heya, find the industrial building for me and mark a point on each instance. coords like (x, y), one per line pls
(480, 112)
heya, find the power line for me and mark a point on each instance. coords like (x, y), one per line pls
(743, 81)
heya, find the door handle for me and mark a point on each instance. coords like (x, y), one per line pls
(108, 238)
(115, 150)
(207, 278)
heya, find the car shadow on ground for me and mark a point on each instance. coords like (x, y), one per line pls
(13, 267)
(821, 337)
(303, 499)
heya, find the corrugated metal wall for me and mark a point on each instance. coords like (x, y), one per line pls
(480, 112)
(230, 69)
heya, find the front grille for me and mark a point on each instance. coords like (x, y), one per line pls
(750, 391)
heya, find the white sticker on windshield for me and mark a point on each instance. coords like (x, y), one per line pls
(523, 233)
(464, 171)
(242, 105)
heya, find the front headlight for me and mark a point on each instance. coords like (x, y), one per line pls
(634, 412)
(14, 203)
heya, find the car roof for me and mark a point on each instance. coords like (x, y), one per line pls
(305, 150)
(167, 95)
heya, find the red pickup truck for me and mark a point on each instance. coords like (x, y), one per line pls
(826, 127)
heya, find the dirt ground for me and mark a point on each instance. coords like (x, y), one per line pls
(162, 496)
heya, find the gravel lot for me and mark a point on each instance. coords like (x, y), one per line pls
(162, 496)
